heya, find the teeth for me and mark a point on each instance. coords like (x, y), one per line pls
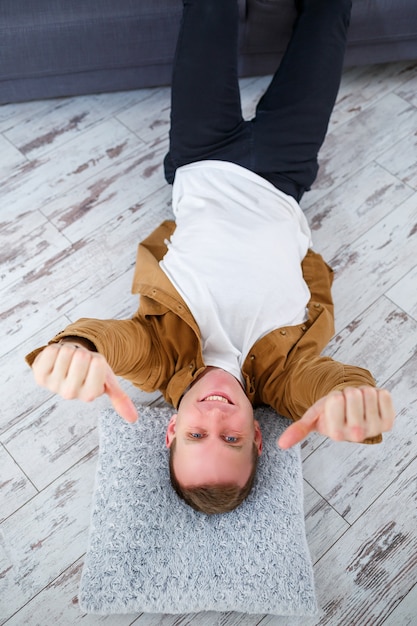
(218, 398)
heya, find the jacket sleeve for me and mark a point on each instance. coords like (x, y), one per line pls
(308, 379)
(307, 376)
(127, 345)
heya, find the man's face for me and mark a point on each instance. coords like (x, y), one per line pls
(214, 431)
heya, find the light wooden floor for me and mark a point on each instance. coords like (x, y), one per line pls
(81, 183)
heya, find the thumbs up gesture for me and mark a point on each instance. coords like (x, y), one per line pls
(72, 371)
(353, 414)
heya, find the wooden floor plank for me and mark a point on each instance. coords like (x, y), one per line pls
(16, 380)
(35, 241)
(363, 86)
(47, 125)
(15, 487)
(68, 167)
(11, 158)
(57, 604)
(58, 284)
(365, 269)
(113, 300)
(401, 160)
(404, 293)
(319, 517)
(149, 119)
(369, 339)
(408, 89)
(353, 207)
(359, 141)
(209, 618)
(405, 613)
(53, 438)
(44, 537)
(377, 554)
(110, 192)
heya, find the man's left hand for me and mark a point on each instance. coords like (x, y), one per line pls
(353, 414)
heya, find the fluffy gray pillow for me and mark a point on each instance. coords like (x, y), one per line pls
(150, 552)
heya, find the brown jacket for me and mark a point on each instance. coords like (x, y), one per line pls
(160, 347)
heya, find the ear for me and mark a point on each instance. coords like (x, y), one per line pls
(170, 434)
(258, 437)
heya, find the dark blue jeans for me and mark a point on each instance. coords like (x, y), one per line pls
(282, 141)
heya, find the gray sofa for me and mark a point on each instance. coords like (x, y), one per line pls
(51, 48)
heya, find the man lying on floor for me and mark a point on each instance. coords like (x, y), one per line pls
(235, 307)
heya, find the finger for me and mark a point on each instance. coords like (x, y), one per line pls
(52, 366)
(86, 377)
(357, 426)
(119, 399)
(44, 364)
(294, 434)
(386, 409)
(333, 423)
(61, 367)
(303, 427)
(74, 383)
(372, 418)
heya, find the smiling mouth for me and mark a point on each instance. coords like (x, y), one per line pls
(217, 398)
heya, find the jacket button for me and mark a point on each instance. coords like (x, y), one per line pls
(252, 357)
(317, 305)
(283, 332)
(303, 327)
(153, 292)
(191, 366)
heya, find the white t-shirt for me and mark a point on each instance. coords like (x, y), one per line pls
(235, 258)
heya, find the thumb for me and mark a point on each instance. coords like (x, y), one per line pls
(119, 399)
(300, 429)
(294, 434)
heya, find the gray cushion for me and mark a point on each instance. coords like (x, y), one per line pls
(150, 552)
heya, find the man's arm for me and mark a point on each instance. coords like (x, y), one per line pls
(83, 360)
(339, 401)
(318, 393)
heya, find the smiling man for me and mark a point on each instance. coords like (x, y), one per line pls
(216, 442)
(235, 307)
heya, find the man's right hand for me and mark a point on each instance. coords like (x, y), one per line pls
(74, 372)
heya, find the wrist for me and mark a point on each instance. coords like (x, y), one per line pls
(79, 342)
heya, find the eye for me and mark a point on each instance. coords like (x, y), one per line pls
(231, 439)
(196, 435)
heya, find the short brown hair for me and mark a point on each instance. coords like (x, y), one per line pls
(220, 498)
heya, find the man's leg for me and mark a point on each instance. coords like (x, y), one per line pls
(206, 116)
(292, 117)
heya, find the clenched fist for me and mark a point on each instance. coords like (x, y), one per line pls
(353, 414)
(72, 371)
